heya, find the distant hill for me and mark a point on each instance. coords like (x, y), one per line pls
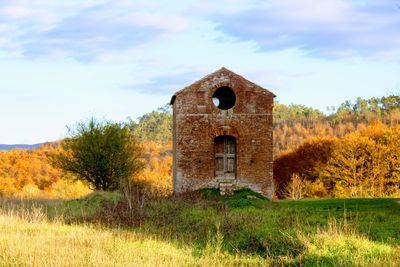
(19, 146)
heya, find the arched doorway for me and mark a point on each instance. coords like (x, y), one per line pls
(225, 157)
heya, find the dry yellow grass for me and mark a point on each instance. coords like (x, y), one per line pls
(29, 239)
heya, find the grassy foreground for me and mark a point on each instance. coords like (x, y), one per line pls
(201, 229)
(40, 243)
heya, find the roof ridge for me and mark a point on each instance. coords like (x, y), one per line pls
(222, 69)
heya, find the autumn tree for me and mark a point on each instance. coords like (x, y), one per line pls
(158, 171)
(306, 161)
(103, 154)
(295, 188)
(348, 166)
(385, 161)
(28, 173)
(365, 163)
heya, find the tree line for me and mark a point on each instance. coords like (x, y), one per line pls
(28, 173)
(96, 155)
(309, 150)
(365, 163)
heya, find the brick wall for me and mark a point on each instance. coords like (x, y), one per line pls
(197, 121)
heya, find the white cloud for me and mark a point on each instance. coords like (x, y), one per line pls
(84, 30)
(15, 12)
(99, 29)
(322, 28)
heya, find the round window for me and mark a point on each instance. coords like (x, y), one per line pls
(224, 98)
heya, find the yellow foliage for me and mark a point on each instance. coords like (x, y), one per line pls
(28, 173)
(158, 167)
(364, 163)
(315, 189)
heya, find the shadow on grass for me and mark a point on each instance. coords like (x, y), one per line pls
(244, 220)
(246, 223)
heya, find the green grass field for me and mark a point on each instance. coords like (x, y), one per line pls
(200, 229)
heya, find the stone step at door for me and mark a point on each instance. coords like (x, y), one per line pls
(227, 187)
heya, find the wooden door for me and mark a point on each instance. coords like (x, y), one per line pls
(225, 157)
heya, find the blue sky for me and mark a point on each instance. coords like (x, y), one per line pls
(64, 61)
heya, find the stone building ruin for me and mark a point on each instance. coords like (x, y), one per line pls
(222, 135)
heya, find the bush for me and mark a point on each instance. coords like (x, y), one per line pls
(103, 154)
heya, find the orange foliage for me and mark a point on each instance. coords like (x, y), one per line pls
(307, 160)
(158, 170)
(27, 173)
(364, 163)
(291, 134)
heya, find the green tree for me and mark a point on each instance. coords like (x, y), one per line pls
(154, 126)
(103, 154)
(295, 112)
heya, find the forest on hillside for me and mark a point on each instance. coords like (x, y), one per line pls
(352, 152)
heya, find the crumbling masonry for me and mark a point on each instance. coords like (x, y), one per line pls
(222, 135)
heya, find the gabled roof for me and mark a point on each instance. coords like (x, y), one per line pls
(217, 73)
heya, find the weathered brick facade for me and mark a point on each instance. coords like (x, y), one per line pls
(224, 148)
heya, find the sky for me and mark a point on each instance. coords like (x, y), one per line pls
(65, 61)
